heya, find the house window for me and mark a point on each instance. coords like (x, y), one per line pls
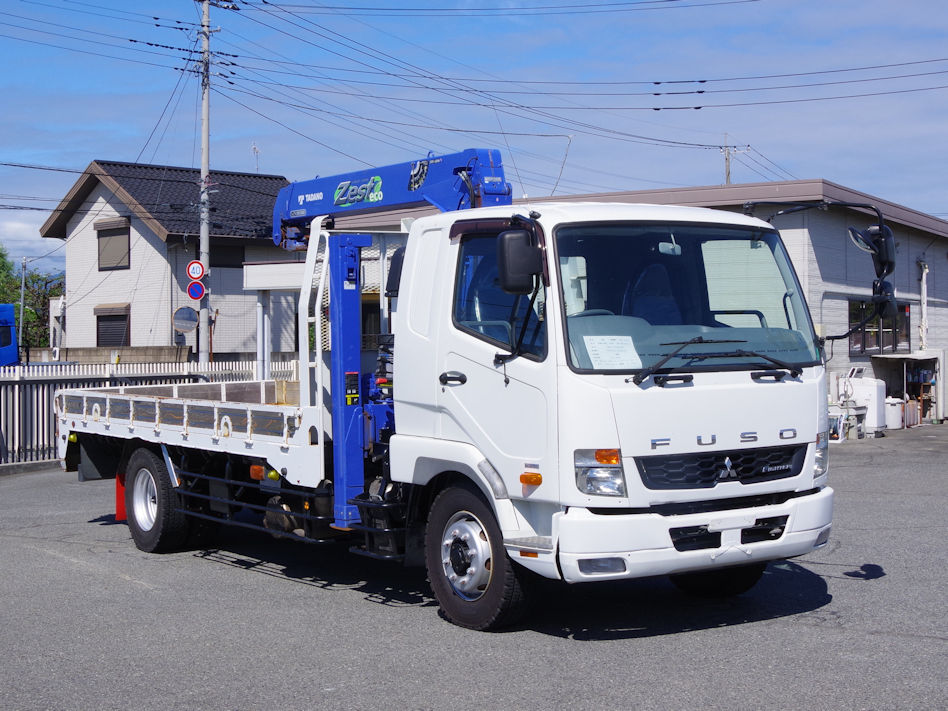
(113, 238)
(227, 257)
(888, 335)
(112, 325)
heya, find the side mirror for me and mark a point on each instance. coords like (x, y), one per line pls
(880, 243)
(518, 261)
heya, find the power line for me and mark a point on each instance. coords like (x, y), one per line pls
(519, 10)
(89, 52)
(146, 18)
(410, 99)
(497, 103)
(658, 82)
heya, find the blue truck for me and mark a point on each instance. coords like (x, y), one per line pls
(9, 349)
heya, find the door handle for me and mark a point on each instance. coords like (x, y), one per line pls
(452, 376)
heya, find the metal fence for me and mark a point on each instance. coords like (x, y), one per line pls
(27, 423)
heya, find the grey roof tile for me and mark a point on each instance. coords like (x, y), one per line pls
(241, 203)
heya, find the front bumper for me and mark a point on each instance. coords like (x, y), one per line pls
(640, 545)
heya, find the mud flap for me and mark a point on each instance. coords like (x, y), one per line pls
(120, 498)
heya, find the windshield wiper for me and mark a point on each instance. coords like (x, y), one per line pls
(793, 369)
(641, 376)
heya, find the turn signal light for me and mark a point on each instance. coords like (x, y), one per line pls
(607, 456)
(531, 478)
(257, 472)
(529, 554)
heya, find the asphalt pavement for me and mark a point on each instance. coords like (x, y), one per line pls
(89, 622)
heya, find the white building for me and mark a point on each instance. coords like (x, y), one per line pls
(130, 232)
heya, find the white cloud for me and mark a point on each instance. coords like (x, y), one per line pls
(20, 237)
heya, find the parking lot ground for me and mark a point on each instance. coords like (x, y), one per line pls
(88, 621)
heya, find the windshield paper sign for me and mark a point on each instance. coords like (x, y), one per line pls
(612, 352)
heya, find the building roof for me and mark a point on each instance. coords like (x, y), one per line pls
(720, 196)
(786, 191)
(167, 199)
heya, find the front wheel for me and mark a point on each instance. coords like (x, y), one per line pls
(152, 505)
(725, 582)
(475, 583)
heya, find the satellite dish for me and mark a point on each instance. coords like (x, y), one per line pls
(185, 319)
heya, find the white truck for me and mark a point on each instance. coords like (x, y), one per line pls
(584, 392)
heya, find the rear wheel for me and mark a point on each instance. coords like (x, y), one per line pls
(152, 505)
(725, 582)
(475, 582)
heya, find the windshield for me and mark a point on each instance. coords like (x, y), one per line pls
(634, 292)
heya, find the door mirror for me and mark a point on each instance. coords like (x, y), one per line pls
(518, 261)
(880, 243)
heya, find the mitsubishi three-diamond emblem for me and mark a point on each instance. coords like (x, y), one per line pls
(728, 472)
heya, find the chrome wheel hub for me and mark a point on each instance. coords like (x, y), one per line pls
(144, 499)
(466, 555)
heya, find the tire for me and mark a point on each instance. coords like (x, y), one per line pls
(726, 582)
(151, 504)
(462, 531)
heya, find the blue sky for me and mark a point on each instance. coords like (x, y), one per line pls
(853, 91)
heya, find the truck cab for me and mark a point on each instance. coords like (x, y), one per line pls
(653, 402)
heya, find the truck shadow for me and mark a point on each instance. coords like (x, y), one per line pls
(651, 607)
(326, 566)
(595, 612)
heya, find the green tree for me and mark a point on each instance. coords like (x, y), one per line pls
(39, 289)
(8, 278)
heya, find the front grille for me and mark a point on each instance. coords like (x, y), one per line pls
(707, 469)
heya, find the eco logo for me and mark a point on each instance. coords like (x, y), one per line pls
(349, 194)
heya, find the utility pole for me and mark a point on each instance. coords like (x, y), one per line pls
(204, 245)
(19, 334)
(727, 162)
(728, 151)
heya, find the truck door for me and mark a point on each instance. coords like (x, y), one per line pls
(506, 410)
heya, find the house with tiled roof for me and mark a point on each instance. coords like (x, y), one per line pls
(131, 230)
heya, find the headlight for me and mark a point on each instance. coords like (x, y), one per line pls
(821, 458)
(599, 472)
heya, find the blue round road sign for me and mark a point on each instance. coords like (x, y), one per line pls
(196, 290)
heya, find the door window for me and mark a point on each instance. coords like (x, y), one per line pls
(484, 310)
